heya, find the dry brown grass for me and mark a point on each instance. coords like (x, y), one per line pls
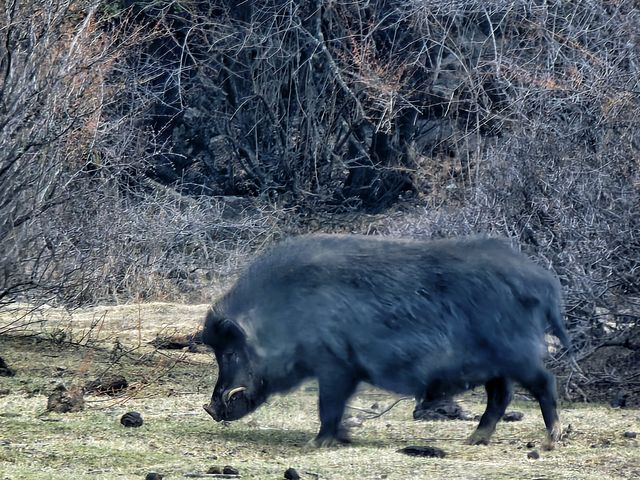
(168, 389)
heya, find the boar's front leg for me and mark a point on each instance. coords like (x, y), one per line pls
(335, 389)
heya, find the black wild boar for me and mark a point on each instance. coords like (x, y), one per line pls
(425, 318)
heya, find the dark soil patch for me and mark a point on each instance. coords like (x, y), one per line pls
(64, 400)
(423, 451)
(108, 385)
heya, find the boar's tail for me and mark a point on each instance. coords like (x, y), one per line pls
(556, 322)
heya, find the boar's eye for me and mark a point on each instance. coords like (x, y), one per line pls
(229, 356)
(231, 359)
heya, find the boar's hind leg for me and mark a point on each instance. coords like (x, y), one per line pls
(498, 397)
(543, 387)
(335, 390)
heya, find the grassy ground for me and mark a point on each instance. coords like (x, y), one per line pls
(169, 387)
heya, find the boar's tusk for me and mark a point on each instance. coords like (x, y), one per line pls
(233, 391)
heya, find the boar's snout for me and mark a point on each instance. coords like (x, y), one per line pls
(211, 411)
(231, 404)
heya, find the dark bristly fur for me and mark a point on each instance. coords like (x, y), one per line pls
(425, 318)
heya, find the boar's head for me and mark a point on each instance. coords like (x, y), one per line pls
(239, 390)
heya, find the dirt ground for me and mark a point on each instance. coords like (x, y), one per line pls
(178, 439)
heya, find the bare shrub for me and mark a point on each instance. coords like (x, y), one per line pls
(557, 83)
(53, 62)
(161, 245)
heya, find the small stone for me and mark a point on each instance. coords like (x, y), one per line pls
(214, 471)
(630, 434)
(291, 474)
(531, 444)
(533, 454)
(153, 476)
(227, 470)
(423, 451)
(132, 419)
(512, 416)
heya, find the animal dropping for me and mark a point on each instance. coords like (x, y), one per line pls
(131, 420)
(422, 318)
(5, 371)
(291, 474)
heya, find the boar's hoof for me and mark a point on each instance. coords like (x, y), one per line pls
(553, 437)
(479, 437)
(326, 441)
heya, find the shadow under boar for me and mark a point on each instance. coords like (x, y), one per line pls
(422, 318)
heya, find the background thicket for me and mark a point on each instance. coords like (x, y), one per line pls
(149, 147)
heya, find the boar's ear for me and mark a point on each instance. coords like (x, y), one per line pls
(230, 332)
(221, 332)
